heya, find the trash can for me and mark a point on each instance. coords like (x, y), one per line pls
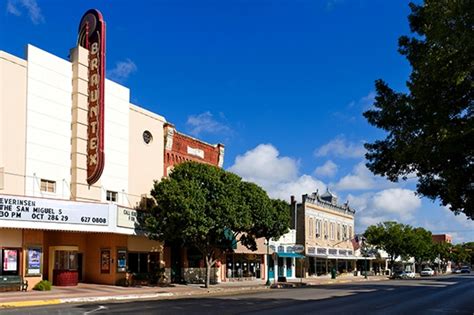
(333, 273)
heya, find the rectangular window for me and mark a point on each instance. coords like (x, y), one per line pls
(350, 232)
(121, 260)
(318, 228)
(111, 196)
(138, 262)
(105, 261)
(10, 261)
(48, 185)
(344, 232)
(33, 261)
(338, 231)
(65, 260)
(332, 231)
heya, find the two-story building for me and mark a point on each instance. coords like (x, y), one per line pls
(326, 229)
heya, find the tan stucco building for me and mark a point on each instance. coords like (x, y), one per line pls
(326, 229)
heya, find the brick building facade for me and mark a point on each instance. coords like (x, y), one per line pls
(181, 148)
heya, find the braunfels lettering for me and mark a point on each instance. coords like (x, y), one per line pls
(92, 37)
(94, 95)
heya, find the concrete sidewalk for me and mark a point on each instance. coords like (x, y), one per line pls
(93, 293)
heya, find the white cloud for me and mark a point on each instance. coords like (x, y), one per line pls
(360, 179)
(328, 169)
(31, 6)
(278, 175)
(264, 165)
(340, 147)
(122, 70)
(304, 184)
(396, 200)
(396, 204)
(205, 123)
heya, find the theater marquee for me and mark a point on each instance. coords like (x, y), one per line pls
(92, 37)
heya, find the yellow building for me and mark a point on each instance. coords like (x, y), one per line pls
(326, 229)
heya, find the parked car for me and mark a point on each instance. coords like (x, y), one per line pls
(427, 272)
(465, 269)
(457, 270)
(402, 274)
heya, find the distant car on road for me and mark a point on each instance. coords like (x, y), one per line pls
(457, 270)
(465, 269)
(401, 274)
(427, 272)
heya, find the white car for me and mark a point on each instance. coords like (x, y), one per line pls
(404, 274)
(427, 272)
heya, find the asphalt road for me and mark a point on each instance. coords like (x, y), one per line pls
(452, 294)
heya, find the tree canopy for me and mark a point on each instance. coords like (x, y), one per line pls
(430, 128)
(391, 237)
(198, 205)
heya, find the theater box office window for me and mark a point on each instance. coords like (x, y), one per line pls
(63, 265)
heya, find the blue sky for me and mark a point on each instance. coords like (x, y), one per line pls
(282, 84)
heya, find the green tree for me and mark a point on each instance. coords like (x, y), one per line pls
(459, 254)
(442, 252)
(430, 128)
(391, 237)
(198, 205)
(419, 245)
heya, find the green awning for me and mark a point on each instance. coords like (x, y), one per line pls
(290, 255)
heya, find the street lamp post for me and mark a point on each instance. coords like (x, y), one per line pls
(365, 252)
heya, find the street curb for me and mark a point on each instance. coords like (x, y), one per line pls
(30, 303)
(86, 300)
(176, 295)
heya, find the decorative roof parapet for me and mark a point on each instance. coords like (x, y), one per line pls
(315, 199)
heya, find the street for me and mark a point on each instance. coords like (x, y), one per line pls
(451, 294)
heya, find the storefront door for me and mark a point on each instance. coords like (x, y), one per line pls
(271, 267)
(289, 268)
(281, 268)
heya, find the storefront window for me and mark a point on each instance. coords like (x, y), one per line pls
(138, 262)
(105, 261)
(194, 258)
(121, 260)
(33, 261)
(10, 261)
(243, 266)
(65, 260)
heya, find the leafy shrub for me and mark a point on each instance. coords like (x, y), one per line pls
(123, 282)
(43, 285)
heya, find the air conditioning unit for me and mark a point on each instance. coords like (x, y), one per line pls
(326, 236)
(317, 234)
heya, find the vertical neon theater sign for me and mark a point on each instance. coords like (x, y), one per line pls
(92, 37)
